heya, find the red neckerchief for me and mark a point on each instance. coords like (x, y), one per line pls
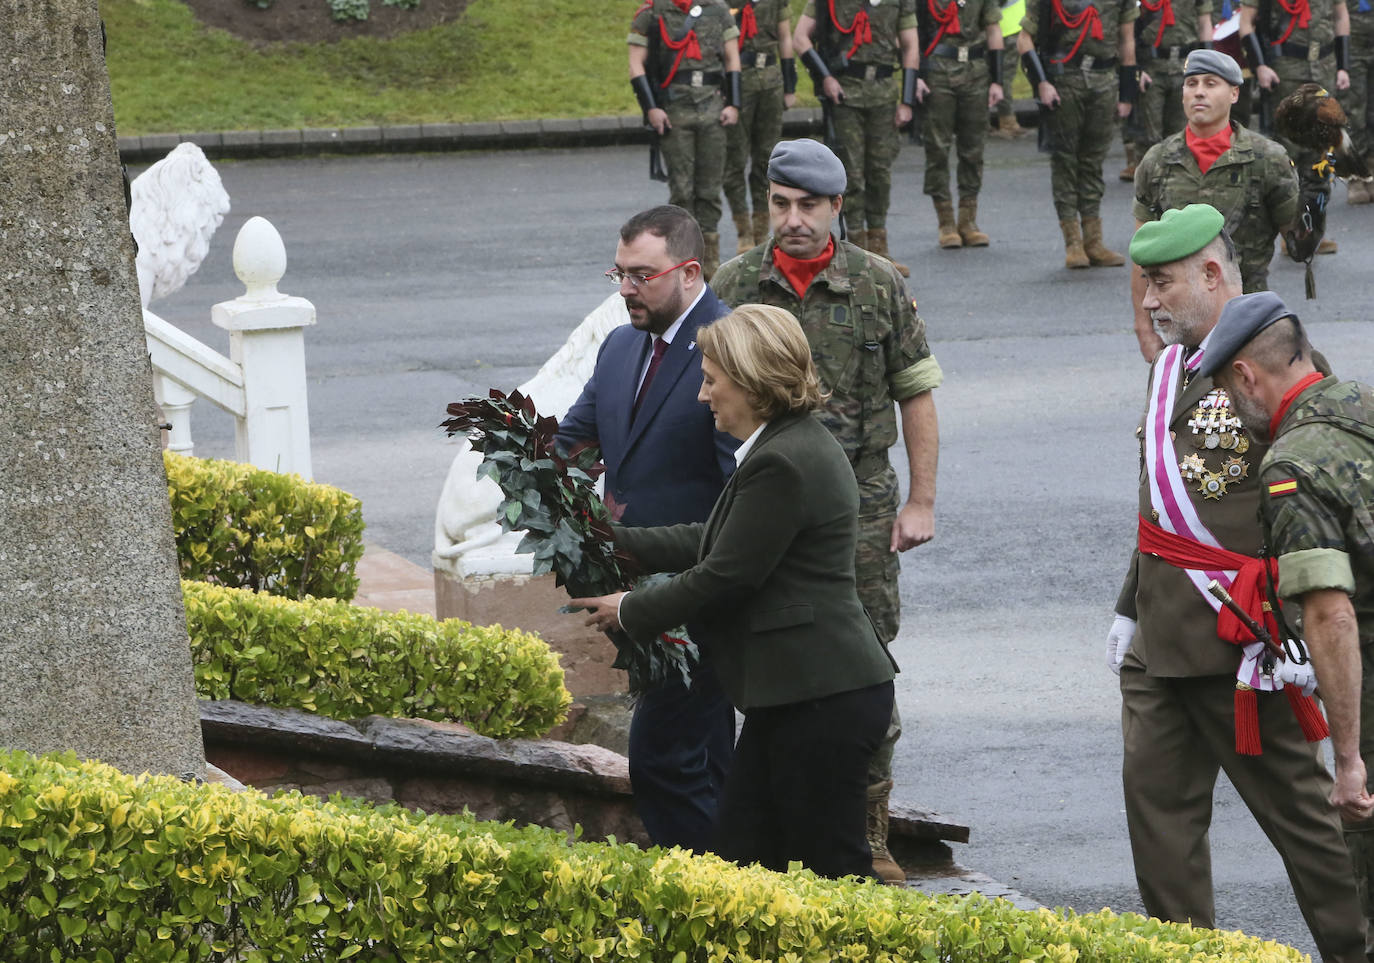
(1290, 396)
(748, 23)
(1167, 20)
(801, 272)
(859, 28)
(684, 5)
(948, 19)
(1089, 19)
(686, 47)
(1299, 14)
(1206, 150)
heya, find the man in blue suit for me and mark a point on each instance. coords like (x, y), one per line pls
(665, 464)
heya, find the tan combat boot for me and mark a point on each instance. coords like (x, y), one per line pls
(1327, 246)
(884, 866)
(1008, 128)
(877, 243)
(1128, 172)
(744, 227)
(949, 230)
(1074, 256)
(1357, 192)
(1099, 255)
(711, 258)
(968, 223)
(858, 238)
(762, 227)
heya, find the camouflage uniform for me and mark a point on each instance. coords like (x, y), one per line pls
(1082, 126)
(1160, 51)
(1252, 184)
(1356, 100)
(867, 139)
(1323, 536)
(749, 142)
(870, 349)
(956, 109)
(694, 149)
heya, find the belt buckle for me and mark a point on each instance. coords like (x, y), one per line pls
(761, 60)
(1314, 52)
(963, 55)
(871, 72)
(696, 77)
(1087, 62)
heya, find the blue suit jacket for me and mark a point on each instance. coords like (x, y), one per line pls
(668, 464)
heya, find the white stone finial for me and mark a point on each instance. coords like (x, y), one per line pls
(259, 260)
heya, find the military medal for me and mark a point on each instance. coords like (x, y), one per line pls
(1192, 467)
(1242, 445)
(1235, 469)
(1213, 485)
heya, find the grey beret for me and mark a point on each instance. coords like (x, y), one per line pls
(1213, 62)
(808, 165)
(1241, 319)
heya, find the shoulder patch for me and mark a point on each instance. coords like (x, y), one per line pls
(1288, 486)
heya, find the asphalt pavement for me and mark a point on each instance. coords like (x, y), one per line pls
(437, 276)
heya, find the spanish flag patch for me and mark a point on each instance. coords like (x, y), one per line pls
(1288, 486)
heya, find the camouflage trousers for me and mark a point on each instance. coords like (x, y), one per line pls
(955, 114)
(748, 143)
(1360, 97)
(867, 146)
(1011, 62)
(694, 150)
(1160, 105)
(876, 570)
(1081, 130)
(1293, 73)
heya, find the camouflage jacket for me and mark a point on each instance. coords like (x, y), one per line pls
(1154, 33)
(1112, 14)
(1272, 22)
(1253, 185)
(768, 15)
(868, 342)
(974, 17)
(714, 26)
(1317, 502)
(886, 19)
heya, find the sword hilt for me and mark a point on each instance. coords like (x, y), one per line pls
(1260, 633)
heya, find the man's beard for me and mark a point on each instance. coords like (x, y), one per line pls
(1185, 322)
(1252, 416)
(660, 319)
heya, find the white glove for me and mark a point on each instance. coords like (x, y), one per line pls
(1118, 641)
(1289, 672)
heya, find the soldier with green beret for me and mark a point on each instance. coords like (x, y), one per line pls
(864, 59)
(1216, 160)
(1196, 697)
(872, 357)
(769, 86)
(1317, 509)
(685, 72)
(1292, 42)
(961, 48)
(1080, 58)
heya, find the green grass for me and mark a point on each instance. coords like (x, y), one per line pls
(503, 59)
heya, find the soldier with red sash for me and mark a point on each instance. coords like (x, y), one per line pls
(1198, 693)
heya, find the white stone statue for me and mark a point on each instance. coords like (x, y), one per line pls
(467, 538)
(176, 206)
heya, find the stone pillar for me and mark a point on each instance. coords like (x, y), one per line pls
(94, 654)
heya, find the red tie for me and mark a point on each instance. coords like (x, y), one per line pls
(660, 346)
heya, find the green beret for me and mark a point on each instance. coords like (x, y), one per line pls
(1179, 233)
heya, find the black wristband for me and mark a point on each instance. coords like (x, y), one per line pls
(789, 75)
(995, 74)
(1128, 84)
(1206, 45)
(1343, 53)
(1034, 70)
(644, 93)
(734, 97)
(909, 77)
(1254, 51)
(815, 64)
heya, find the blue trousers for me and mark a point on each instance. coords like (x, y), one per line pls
(681, 741)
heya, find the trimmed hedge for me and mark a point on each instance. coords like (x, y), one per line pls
(344, 661)
(239, 525)
(96, 865)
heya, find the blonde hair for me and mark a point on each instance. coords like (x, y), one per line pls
(764, 350)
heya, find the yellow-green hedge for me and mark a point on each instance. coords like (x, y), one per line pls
(344, 661)
(96, 865)
(239, 525)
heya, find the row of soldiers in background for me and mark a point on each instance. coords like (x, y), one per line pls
(713, 84)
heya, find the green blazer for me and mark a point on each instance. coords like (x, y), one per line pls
(769, 577)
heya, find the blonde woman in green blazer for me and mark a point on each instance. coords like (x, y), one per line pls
(769, 578)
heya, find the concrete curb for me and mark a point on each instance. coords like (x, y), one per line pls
(407, 138)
